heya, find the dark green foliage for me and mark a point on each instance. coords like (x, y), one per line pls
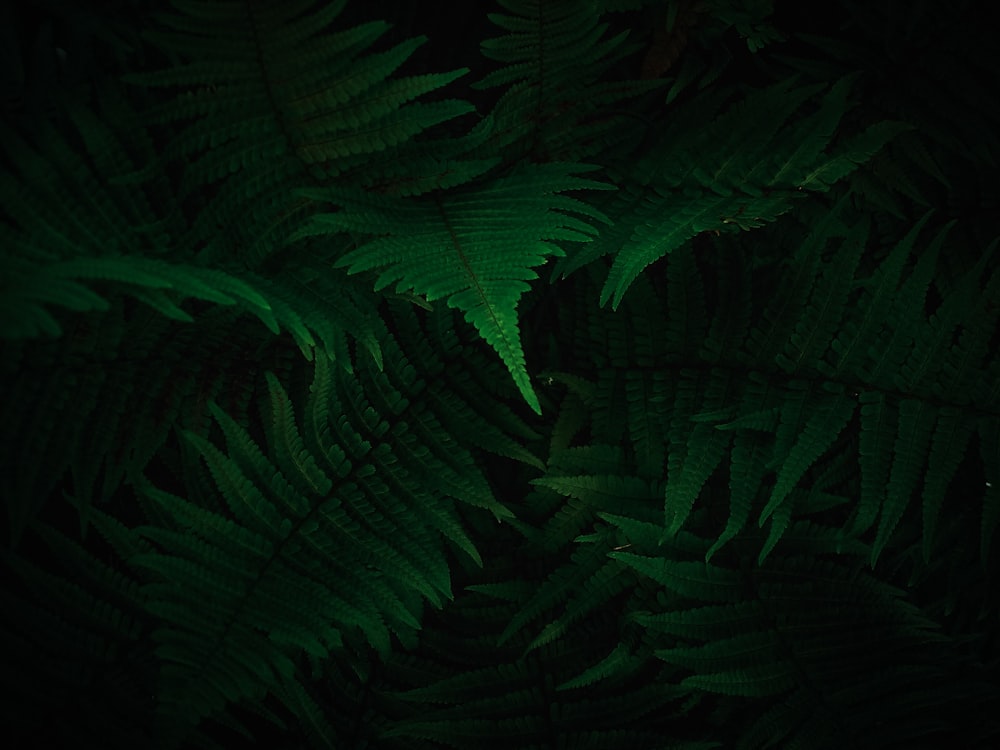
(301, 448)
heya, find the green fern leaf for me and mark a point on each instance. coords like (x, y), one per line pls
(742, 649)
(687, 578)
(309, 713)
(290, 449)
(286, 101)
(850, 346)
(621, 660)
(875, 449)
(696, 450)
(913, 435)
(701, 623)
(748, 466)
(562, 98)
(952, 434)
(853, 153)
(475, 248)
(690, 196)
(781, 519)
(769, 679)
(830, 416)
(825, 310)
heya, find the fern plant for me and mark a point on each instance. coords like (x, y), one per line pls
(304, 445)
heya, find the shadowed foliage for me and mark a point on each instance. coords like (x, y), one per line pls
(539, 374)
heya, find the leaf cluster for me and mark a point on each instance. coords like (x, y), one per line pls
(320, 431)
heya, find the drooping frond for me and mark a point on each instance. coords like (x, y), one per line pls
(759, 164)
(474, 248)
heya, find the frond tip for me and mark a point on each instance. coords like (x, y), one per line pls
(475, 248)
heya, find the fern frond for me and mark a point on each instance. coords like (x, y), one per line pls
(475, 248)
(687, 469)
(830, 414)
(749, 640)
(456, 375)
(265, 474)
(741, 186)
(74, 269)
(878, 290)
(512, 700)
(686, 578)
(312, 105)
(555, 62)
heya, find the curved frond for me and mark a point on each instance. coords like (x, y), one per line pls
(475, 249)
